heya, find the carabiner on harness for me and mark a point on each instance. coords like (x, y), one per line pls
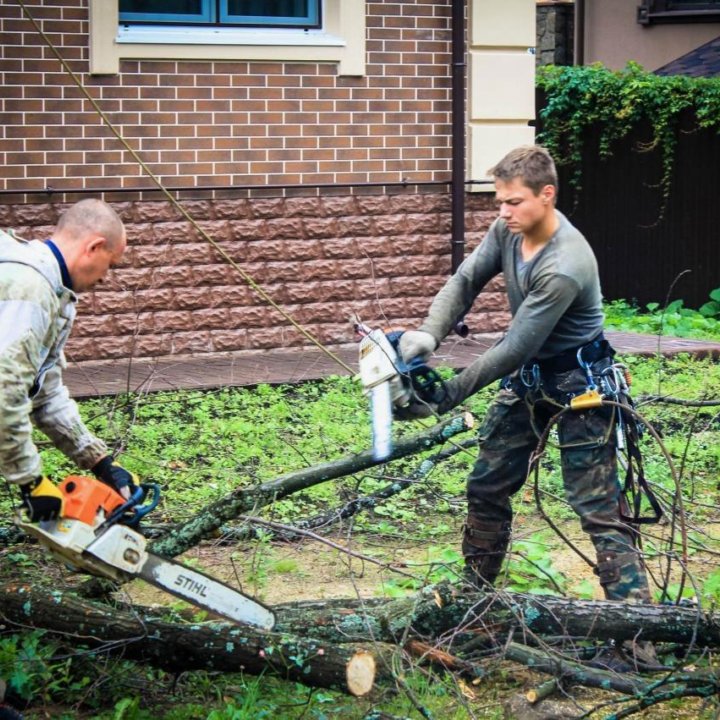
(530, 376)
(588, 370)
(614, 381)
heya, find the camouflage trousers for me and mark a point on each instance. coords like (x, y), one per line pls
(507, 437)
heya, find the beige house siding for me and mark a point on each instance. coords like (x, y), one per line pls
(501, 82)
(613, 36)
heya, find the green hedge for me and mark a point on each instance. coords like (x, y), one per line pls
(593, 98)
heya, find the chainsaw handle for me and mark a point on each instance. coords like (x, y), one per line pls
(152, 489)
(137, 505)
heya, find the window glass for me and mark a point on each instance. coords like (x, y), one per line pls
(154, 11)
(286, 13)
(671, 11)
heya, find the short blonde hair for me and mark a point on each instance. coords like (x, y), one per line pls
(533, 164)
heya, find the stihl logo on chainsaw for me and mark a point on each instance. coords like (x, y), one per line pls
(191, 585)
(98, 533)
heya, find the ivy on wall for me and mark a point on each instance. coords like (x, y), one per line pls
(612, 103)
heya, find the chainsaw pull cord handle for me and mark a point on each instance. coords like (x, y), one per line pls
(137, 505)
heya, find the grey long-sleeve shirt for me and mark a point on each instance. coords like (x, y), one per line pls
(556, 305)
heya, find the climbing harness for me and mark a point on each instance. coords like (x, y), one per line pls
(607, 385)
(615, 384)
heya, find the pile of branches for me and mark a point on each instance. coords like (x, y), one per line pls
(358, 646)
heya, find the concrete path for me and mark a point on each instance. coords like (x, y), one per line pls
(295, 365)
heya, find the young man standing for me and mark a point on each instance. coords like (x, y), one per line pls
(554, 293)
(38, 285)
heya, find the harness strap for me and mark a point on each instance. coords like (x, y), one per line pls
(485, 535)
(631, 478)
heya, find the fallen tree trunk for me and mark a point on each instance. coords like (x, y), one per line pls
(352, 668)
(353, 643)
(552, 616)
(243, 500)
(442, 609)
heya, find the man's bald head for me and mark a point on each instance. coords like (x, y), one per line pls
(91, 217)
(91, 238)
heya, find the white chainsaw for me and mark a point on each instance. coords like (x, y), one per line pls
(391, 382)
(97, 533)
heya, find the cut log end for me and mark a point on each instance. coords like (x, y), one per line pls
(360, 673)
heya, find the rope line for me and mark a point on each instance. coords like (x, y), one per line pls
(156, 180)
(678, 520)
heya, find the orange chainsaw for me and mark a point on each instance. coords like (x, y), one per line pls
(98, 533)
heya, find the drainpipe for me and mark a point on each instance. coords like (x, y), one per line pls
(457, 248)
(458, 135)
(579, 33)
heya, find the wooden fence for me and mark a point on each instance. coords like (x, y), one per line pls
(644, 246)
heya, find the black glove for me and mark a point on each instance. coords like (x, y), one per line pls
(415, 410)
(42, 499)
(116, 476)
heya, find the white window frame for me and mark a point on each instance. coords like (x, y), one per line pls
(341, 40)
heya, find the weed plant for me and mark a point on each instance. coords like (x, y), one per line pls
(674, 319)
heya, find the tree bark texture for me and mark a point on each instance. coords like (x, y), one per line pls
(351, 644)
(352, 668)
(442, 609)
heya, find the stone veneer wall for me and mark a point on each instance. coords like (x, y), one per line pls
(555, 32)
(320, 258)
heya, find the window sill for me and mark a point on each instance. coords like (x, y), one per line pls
(144, 34)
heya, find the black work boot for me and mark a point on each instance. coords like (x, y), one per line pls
(642, 655)
(8, 713)
(632, 656)
(622, 576)
(484, 546)
(613, 659)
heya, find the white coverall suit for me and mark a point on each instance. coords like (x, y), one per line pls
(36, 315)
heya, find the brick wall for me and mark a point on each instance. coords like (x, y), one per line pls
(322, 259)
(226, 123)
(321, 252)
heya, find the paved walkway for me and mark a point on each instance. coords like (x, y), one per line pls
(295, 365)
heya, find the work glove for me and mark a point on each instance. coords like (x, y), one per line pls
(116, 476)
(416, 343)
(415, 410)
(42, 499)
